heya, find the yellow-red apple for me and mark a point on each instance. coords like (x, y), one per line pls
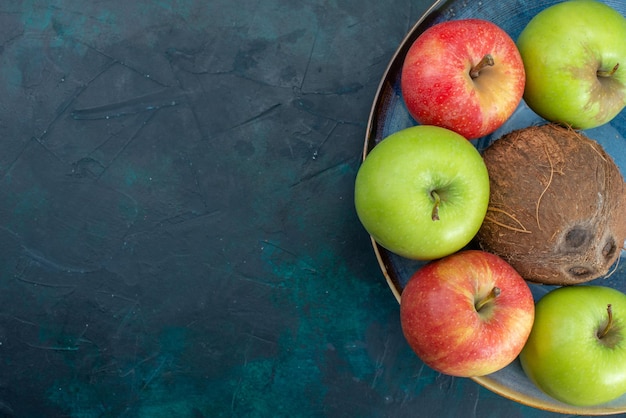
(468, 314)
(466, 75)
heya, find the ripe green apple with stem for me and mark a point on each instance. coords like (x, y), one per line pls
(576, 351)
(574, 55)
(422, 192)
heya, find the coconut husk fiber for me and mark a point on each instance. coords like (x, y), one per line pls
(557, 210)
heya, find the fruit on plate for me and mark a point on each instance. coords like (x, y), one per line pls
(468, 314)
(557, 210)
(576, 351)
(465, 75)
(575, 59)
(422, 192)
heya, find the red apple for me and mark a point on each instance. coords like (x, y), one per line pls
(465, 75)
(468, 314)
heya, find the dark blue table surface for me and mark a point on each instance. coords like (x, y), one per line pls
(177, 230)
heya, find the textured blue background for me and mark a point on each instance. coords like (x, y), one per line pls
(177, 232)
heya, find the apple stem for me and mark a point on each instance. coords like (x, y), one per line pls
(495, 292)
(487, 61)
(435, 213)
(609, 322)
(604, 73)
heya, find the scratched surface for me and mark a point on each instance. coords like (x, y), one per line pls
(177, 231)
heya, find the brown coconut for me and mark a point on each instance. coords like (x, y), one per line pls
(557, 210)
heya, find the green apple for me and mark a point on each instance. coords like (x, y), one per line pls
(422, 192)
(576, 351)
(574, 55)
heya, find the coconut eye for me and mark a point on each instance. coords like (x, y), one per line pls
(609, 248)
(577, 237)
(580, 272)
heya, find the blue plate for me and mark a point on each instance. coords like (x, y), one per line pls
(389, 115)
